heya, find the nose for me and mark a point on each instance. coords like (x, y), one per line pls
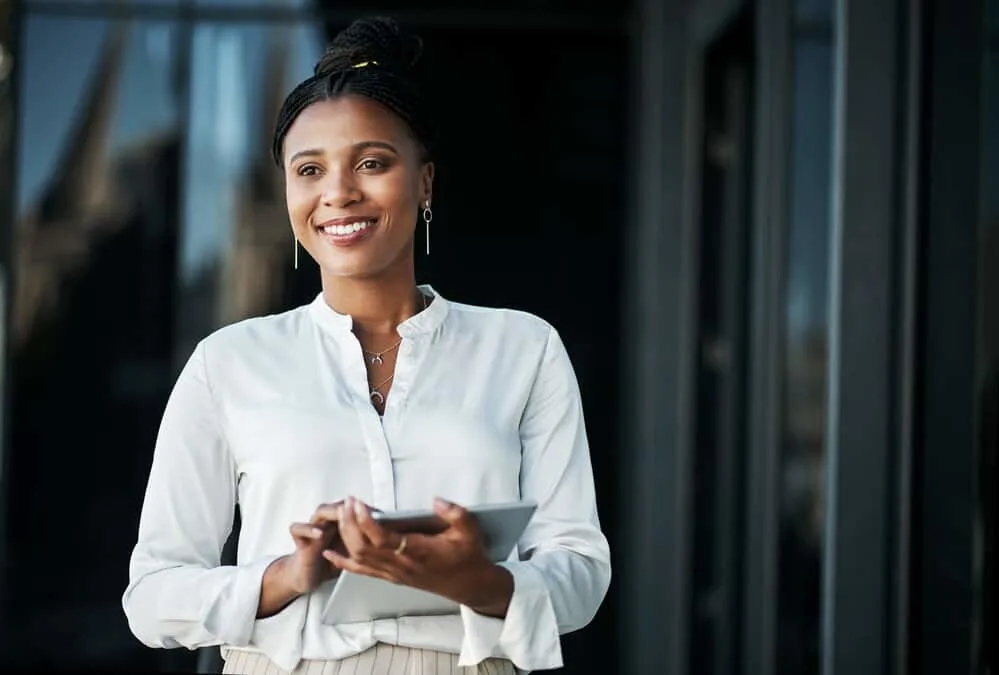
(340, 189)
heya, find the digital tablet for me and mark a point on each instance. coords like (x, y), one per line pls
(358, 598)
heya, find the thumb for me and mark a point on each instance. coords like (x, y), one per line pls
(450, 513)
(305, 535)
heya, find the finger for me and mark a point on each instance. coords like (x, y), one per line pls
(372, 531)
(409, 564)
(334, 542)
(350, 532)
(305, 533)
(455, 516)
(327, 513)
(399, 569)
(420, 548)
(351, 565)
(331, 513)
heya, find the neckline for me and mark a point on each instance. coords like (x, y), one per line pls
(425, 321)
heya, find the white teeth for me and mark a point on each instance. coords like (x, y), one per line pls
(342, 230)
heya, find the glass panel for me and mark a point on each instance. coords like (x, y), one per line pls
(988, 574)
(718, 465)
(94, 248)
(62, 4)
(992, 114)
(802, 498)
(283, 4)
(236, 246)
(6, 186)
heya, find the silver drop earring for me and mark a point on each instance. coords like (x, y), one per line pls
(296, 253)
(428, 215)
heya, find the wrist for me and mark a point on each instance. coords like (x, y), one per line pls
(289, 577)
(277, 589)
(487, 590)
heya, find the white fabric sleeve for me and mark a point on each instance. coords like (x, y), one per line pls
(178, 594)
(565, 570)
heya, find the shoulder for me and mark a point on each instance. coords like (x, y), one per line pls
(506, 324)
(256, 334)
(523, 336)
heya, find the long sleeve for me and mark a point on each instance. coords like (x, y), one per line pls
(178, 594)
(564, 570)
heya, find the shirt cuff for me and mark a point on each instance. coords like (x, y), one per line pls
(280, 636)
(528, 636)
(232, 615)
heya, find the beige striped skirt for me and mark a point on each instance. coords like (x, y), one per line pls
(382, 659)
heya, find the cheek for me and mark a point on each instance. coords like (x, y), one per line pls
(300, 205)
(397, 196)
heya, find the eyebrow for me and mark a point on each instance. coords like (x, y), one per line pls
(363, 145)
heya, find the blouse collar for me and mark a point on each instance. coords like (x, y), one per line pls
(425, 321)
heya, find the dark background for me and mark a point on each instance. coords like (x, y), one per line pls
(768, 232)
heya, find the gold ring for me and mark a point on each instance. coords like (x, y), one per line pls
(402, 546)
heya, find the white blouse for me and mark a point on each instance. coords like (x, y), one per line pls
(274, 413)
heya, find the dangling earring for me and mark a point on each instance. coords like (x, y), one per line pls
(428, 215)
(296, 253)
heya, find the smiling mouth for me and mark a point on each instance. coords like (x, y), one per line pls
(346, 234)
(348, 228)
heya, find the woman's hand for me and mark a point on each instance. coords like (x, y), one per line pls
(306, 567)
(301, 572)
(452, 564)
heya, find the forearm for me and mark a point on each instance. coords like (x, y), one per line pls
(488, 591)
(277, 588)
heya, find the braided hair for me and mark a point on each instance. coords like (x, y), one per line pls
(372, 57)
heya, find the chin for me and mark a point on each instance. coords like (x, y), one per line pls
(360, 264)
(351, 269)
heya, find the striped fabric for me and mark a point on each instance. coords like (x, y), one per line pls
(382, 659)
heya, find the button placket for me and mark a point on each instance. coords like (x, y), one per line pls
(403, 380)
(405, 365)
(376, 443)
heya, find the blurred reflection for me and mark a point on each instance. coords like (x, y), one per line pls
(237, 247)
(6, 163)
(256, 3)
(40, 4)
(95, 106)
(803, 453)
(95, 252)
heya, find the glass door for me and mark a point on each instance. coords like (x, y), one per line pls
(718, 459)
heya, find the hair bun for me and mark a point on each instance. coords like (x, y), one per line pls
(370, 40)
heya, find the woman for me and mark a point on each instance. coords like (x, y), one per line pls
(379, 394)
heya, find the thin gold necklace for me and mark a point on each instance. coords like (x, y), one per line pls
(375, 358)
(377, 398)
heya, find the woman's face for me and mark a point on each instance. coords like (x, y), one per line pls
(355, 182)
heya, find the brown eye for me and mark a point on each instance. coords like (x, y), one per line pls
(308, 170)
(370, 165)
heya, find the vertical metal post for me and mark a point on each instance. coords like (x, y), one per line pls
(861, 392)
(911, 34)
(772, 138)
(653, 635)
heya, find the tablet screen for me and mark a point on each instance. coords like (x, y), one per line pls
(411, 523)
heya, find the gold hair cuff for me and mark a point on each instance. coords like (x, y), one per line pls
(362, 64)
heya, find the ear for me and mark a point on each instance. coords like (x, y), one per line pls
(427, 183)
